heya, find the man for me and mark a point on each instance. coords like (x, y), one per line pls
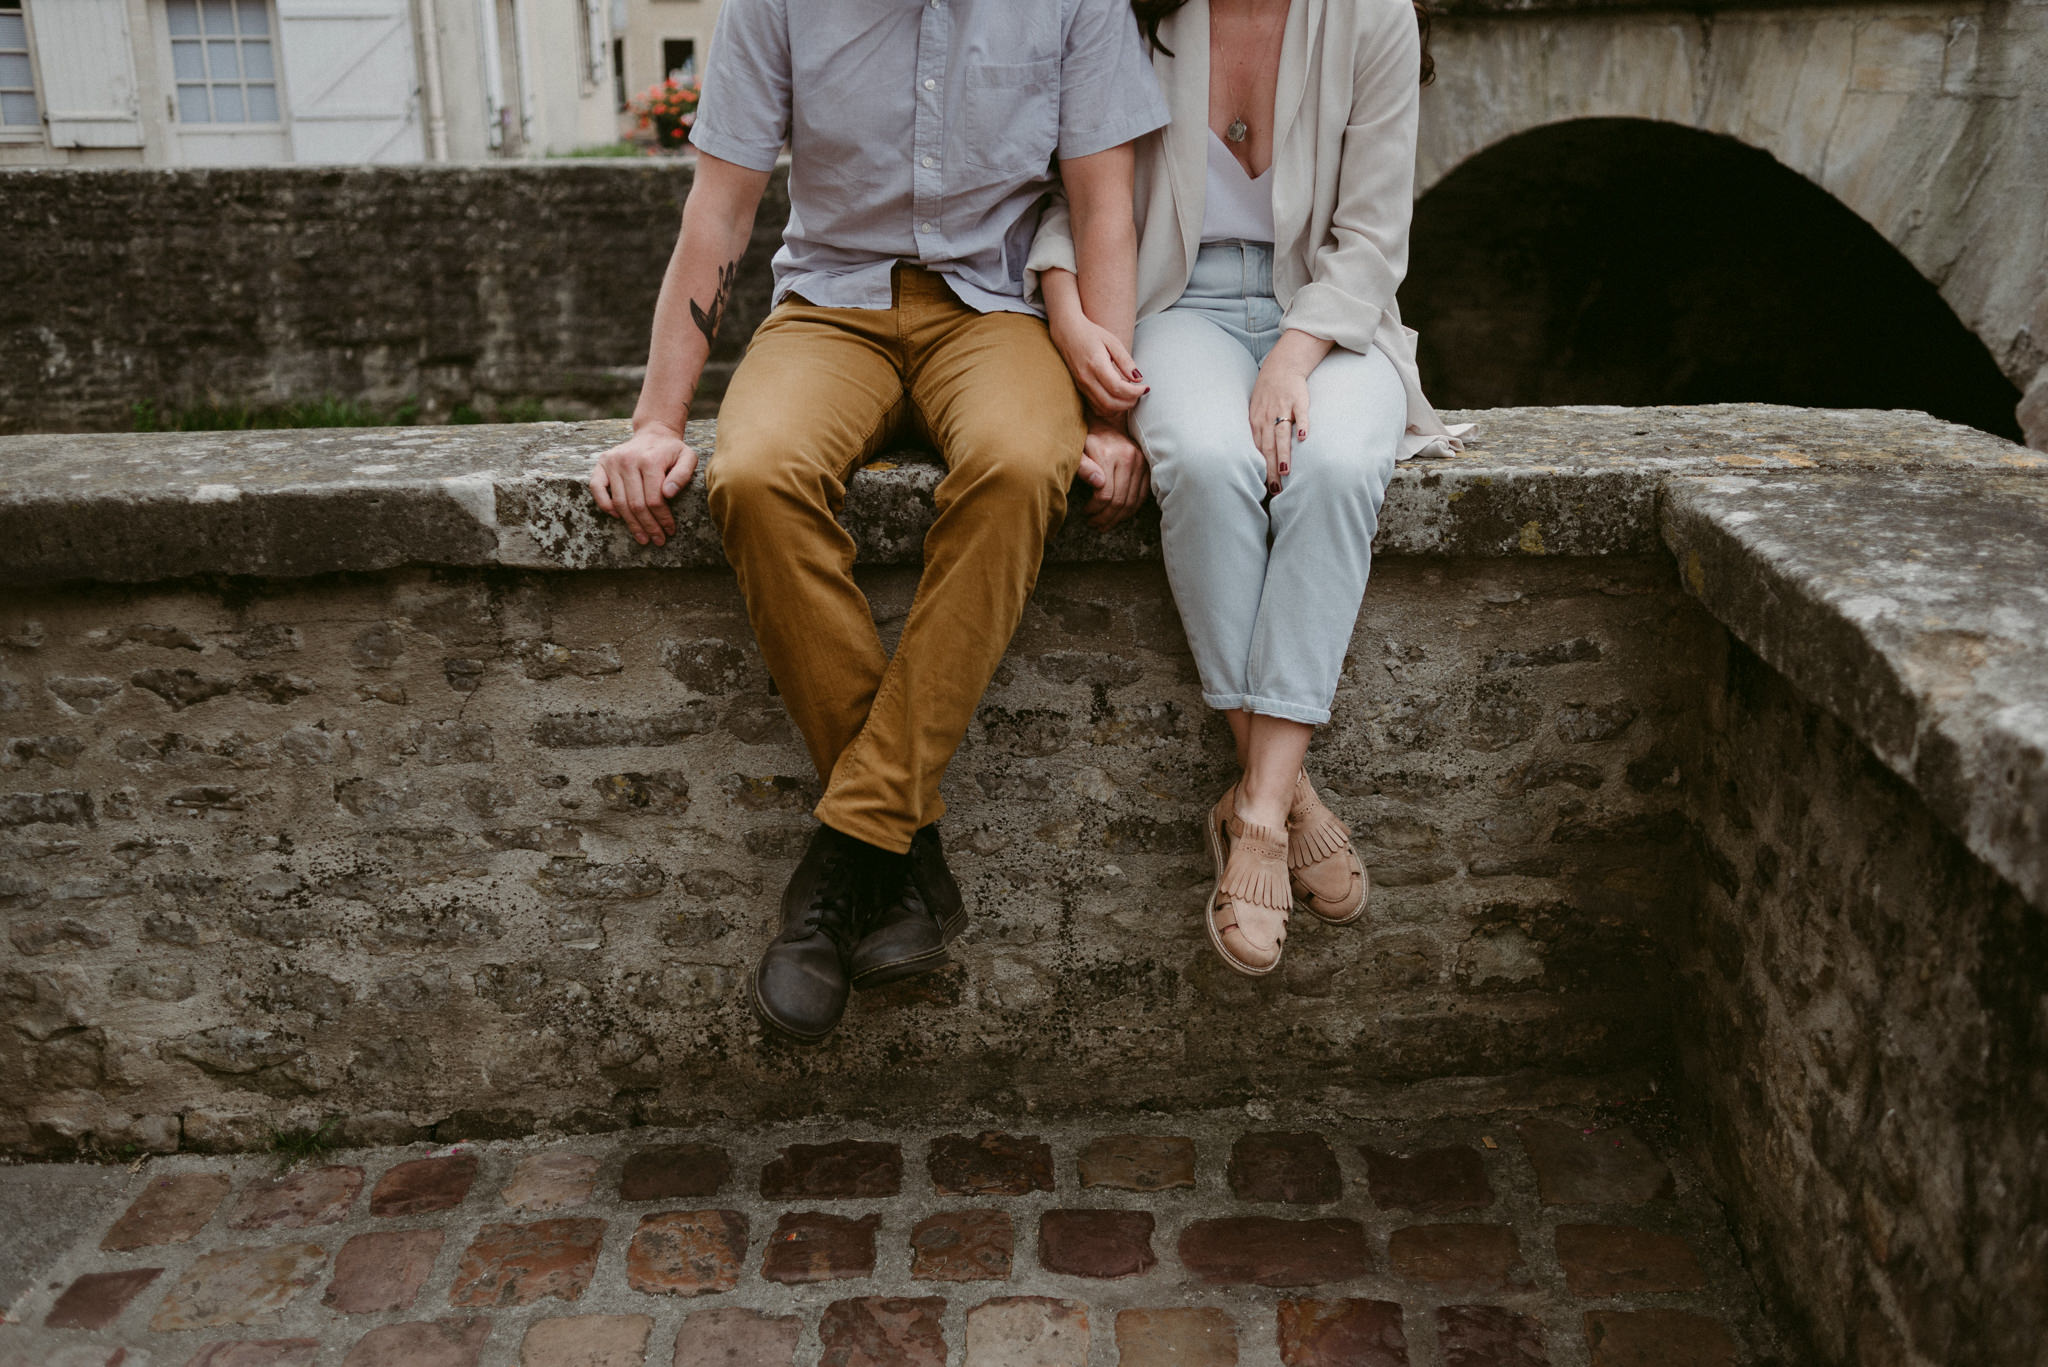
(922, 135)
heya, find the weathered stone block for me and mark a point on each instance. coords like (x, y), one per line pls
(1271, 1252)
(170, 1211)
(1462, 1258)
(423, 1185)
(603, 729)
(301, 1200)
(97, 1299)
(1592, 1166)
(1138, 1163)
(811, 1246)
(1342, 1333)
(1185, 1337)
(454, 1342)
(844, 1169)
(737, 1338)
(1621, 1260)
(382, 1271)
(1489, 1336)
(687, 1253)
(1658, 1338)
(551, 1181)
(879, 1331)
(1027, 1331)
(962, 1246)
(239, 1286)
(990, 1164)
(1297, 1168)
(1096, 1243)
(518, 1264)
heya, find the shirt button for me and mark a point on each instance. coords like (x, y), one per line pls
(930, 162)
(924, 227)
(930, 84)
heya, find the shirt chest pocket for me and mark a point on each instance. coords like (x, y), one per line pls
(1012, 116)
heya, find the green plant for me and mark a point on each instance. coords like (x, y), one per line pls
(293, 1147)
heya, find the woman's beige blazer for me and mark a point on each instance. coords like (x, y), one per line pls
(1343, 180)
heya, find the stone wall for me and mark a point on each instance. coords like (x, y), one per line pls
(491, 287)
(370, 777)
(1863, 1044)
(475, 851)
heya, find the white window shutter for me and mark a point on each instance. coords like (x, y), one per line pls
(351, 83)
(88, 69)
(599, 24)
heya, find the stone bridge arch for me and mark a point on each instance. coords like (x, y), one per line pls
(1929, 122)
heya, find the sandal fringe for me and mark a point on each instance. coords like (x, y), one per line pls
(1316, 839)
(1253, 875)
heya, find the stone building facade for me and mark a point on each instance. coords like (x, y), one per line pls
(99, 83)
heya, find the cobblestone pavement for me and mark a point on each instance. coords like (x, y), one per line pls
(1217, 1238)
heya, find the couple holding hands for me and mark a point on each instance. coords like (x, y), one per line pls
(1151, 243)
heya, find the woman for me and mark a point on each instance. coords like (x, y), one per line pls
(1273, 229)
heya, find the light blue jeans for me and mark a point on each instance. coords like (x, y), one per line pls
(1268, 588)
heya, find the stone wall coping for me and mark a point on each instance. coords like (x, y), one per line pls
(1894, 567)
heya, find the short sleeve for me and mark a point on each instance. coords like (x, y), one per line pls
(743, 115)
(1108, 95)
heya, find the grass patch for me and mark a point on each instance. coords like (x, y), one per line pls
(293, 1147)
(147, 416)
(322, 412)
(599, 149)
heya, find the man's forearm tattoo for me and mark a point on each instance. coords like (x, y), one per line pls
(708, 319)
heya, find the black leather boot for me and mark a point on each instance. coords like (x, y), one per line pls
(800, 985)
(917, 913)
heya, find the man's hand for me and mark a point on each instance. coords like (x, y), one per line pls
(1114, 466)
(1102, 366)
(635, 480)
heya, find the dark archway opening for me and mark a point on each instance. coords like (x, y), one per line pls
(1630, 262)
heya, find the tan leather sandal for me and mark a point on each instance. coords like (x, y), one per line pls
(1323, 869)
(1251, 877)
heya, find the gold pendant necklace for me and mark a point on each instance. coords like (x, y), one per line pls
(1239, 130)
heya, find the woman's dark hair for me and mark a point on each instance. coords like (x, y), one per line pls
(1151, 13)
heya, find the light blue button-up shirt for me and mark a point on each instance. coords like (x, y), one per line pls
(920, 130)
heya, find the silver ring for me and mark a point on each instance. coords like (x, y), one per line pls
(1279, 422)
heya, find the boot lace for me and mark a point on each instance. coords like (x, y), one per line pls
(836, 907)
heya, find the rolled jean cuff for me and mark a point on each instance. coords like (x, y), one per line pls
(1285, 711)
(1267, 707)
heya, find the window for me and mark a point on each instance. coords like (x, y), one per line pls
(17, 80)
(222, 58)
(679, 59)
(619, 73)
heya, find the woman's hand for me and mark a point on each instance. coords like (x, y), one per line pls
(1102, 367)
(1113, 464)
(1279, 407)
(635, 480)
(1279, 417)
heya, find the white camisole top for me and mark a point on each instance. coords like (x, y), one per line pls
(1235, 207)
